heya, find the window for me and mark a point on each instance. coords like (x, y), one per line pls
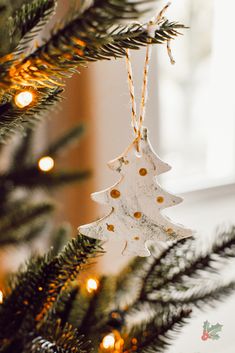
(197, 97)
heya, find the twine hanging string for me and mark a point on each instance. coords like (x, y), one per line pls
(137, 122)
(134, 121)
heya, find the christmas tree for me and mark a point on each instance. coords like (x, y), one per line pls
(47, 306)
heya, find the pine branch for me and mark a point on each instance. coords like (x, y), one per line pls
(72, 136)
(60, 237)
(22, 221)
(89, 36)
(99, 307)
(174, 267)
(153, 334)
(161, 264)
(71, 47)
(13, 119)
(104, 13)
(196, 296)
(79, 308)
(24, 214)
(59, 340)
(138, 277)
(35, 178)
(65, 306)
(170, 280)
(60, 56)
(36, 290)
(129, 281)
(96, 19)
(223, 247)
(23, 152)
(29, 19)
(101, 15)
(18, 237)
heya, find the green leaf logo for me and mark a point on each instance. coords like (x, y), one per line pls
(211, 331)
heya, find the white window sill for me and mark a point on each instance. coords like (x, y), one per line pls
(201, 187)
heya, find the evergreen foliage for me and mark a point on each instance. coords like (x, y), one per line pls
(92, 33)
(25, 210)
(21, 21)
(29, 19)
(46, 307)
(46, 296)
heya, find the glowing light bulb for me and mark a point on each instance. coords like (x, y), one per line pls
(23, 99)
(92, 285)
(46, 163)
(108, 341)
(1, 297)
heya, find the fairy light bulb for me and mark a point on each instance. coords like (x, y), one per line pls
(46, 164)
(92, 285)
(23, 99)
(1, 297)
(109, 341)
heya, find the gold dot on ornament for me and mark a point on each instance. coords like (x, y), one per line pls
(115, 194)
(138, 215)
(160, 199)
(110, 227)
(136, 238)
(143, 172)
(170, 231)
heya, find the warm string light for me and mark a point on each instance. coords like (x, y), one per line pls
(1, 297)
(112, 343)
(108, 341)
(92, 285)
(46, 164)
(24, 99)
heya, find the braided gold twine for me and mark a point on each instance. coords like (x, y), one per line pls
(137, 122)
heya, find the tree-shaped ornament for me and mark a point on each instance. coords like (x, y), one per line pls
(136, 202)
(137, 199)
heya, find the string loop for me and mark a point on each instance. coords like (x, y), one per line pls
(137, 122)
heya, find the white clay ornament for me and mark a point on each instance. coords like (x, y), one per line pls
(136, 202)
